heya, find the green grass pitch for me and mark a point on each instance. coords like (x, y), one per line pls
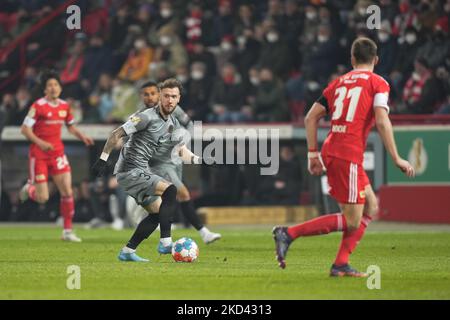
(33, 265)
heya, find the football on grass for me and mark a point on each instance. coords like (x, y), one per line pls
(185, 250)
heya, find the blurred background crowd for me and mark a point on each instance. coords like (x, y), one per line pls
(239, 60)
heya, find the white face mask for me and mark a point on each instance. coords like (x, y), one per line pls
(272, 37)
(254, 81)
(383, 37)
(410, 38)
(322, 38)
(139, 44)
(311, 15)
(226, 46)
(241, 41)
(165, 13)
(197, 75)
(182, 78)
(165, 40)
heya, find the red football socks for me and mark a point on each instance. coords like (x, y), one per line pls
(321, 225)
(350, 240)
(66, 206)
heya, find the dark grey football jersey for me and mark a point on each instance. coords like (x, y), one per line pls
(151, 138)
(178, 114)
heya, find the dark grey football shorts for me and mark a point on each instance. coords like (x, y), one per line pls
(140, 184)
(170, 172)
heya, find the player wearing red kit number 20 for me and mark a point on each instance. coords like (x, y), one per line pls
(355, 102)
(42, 126)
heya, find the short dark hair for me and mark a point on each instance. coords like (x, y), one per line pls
(364, 50)
(47, 75)
(149, 84)
(170, 84)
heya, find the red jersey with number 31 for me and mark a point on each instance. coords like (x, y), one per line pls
(351, 100)
(47, 119)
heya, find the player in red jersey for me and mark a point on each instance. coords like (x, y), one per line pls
(42, 126)
(355, 101)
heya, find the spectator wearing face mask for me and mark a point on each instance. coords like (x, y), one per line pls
(294, 28)
(200, 54)
(170, 53)
(423, 91)
(387, 50)
(227, 52)
(246, 20)
(251, 84)
(196, 101)
(318, 63)
(436, 48)
(223, 24)
(97, 60)
(310, 27)
(275, 12)
(247, 53)
(136, 66)
(227, 98)
(404, 64)
(270, 101)
(275, 54)
(165, 17)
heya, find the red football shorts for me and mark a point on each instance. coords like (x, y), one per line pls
(40, 169)
(346, 180)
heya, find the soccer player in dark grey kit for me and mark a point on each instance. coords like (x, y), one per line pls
(151, 137)
(173, 171)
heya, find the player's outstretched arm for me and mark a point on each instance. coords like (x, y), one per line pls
(317, 111)
(100, 165)
(27, 131)
(88, 141)
(386, 132)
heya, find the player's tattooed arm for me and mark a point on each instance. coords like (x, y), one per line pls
(113, 139)
(100, 165)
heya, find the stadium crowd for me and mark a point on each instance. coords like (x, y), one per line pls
(239, 60)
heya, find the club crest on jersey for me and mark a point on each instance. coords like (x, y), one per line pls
(135, 120)
(62, 113)
(32, 112)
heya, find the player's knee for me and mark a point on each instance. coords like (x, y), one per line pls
(68, 193)
(183, 195)
(170, 194)
(42, 198)
(371, 209)
(353, 224)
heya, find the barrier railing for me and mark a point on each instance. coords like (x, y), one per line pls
(21, 42)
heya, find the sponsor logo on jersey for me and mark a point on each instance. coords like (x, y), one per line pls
(32, 112)
(339, 128)
(62, 113)
(49, 114)
(135, 120)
